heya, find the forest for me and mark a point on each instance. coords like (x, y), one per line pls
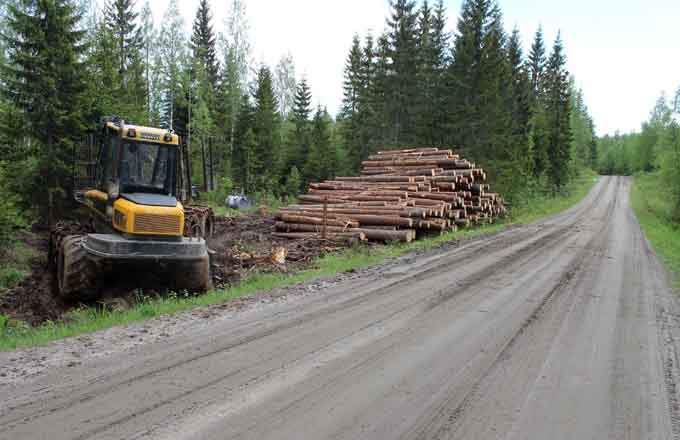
(654, 150)
(66, 64)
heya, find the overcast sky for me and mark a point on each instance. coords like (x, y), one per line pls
(624, 53)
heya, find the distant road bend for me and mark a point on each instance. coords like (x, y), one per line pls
(564, 329)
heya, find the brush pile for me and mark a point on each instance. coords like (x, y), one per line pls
(400, 195)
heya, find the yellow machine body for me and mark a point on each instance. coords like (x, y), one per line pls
(134, 219)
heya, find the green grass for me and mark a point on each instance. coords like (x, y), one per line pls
(15, 264)
(14, 335)
(544, 205)
(651, 203)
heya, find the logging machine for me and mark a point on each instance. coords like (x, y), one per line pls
(131, 216)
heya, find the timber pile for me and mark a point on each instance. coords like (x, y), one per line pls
(400, 195)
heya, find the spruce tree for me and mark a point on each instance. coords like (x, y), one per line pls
(403, 84)
(538, 129)
(102, 69)
(352, 91)
(366, 105)
(440, 88)
(558, 116)
(299, 142)
(121, 20)
(426, 78)
(322, 160)
(266, 125)
(203, 43)
(480, 115)
(378, 96)
(44, 81)
(537, 62)
(242, 160)
(520, 94)
(293, 183)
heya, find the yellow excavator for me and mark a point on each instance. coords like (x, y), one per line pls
(131, 218)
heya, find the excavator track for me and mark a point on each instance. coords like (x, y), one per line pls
(75, 273)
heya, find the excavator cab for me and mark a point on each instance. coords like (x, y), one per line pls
(133, 215)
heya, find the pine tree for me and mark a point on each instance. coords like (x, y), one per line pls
(558, 116)
(203, 43)
(44, 81)
(266, 125)
(403, 85)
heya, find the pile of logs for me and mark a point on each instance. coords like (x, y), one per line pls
(400, 195)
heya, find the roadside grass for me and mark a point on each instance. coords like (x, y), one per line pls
(15, 335)
(651, 203)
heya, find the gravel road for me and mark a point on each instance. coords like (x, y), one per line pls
(564, 329)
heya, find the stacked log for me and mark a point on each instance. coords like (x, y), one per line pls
(399, 196)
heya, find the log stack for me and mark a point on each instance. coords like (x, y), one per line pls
(399, 196)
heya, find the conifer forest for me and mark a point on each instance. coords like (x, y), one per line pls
(477, 90)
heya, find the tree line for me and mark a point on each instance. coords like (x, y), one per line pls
(65, 64)
(655, 148)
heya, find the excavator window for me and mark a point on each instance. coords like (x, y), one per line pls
(147, 168)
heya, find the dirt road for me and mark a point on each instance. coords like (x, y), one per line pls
(566, 329)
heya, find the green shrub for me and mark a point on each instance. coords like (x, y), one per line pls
(10, 217)
(10, 277)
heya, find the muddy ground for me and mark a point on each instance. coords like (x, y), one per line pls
(241, 245)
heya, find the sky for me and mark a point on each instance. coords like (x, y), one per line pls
(623, 53)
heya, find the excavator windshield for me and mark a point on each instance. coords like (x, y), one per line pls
(147, 167)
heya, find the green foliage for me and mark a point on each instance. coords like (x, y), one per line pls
(558, 99)
(10, 214)
(653, 203)
(669, 167)
(10, 276)
(203, 44)
(173, 76)
(266, 123)
(299, 139)
(322, 163)
(655, 148)
(293, 183)
(44, 82)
